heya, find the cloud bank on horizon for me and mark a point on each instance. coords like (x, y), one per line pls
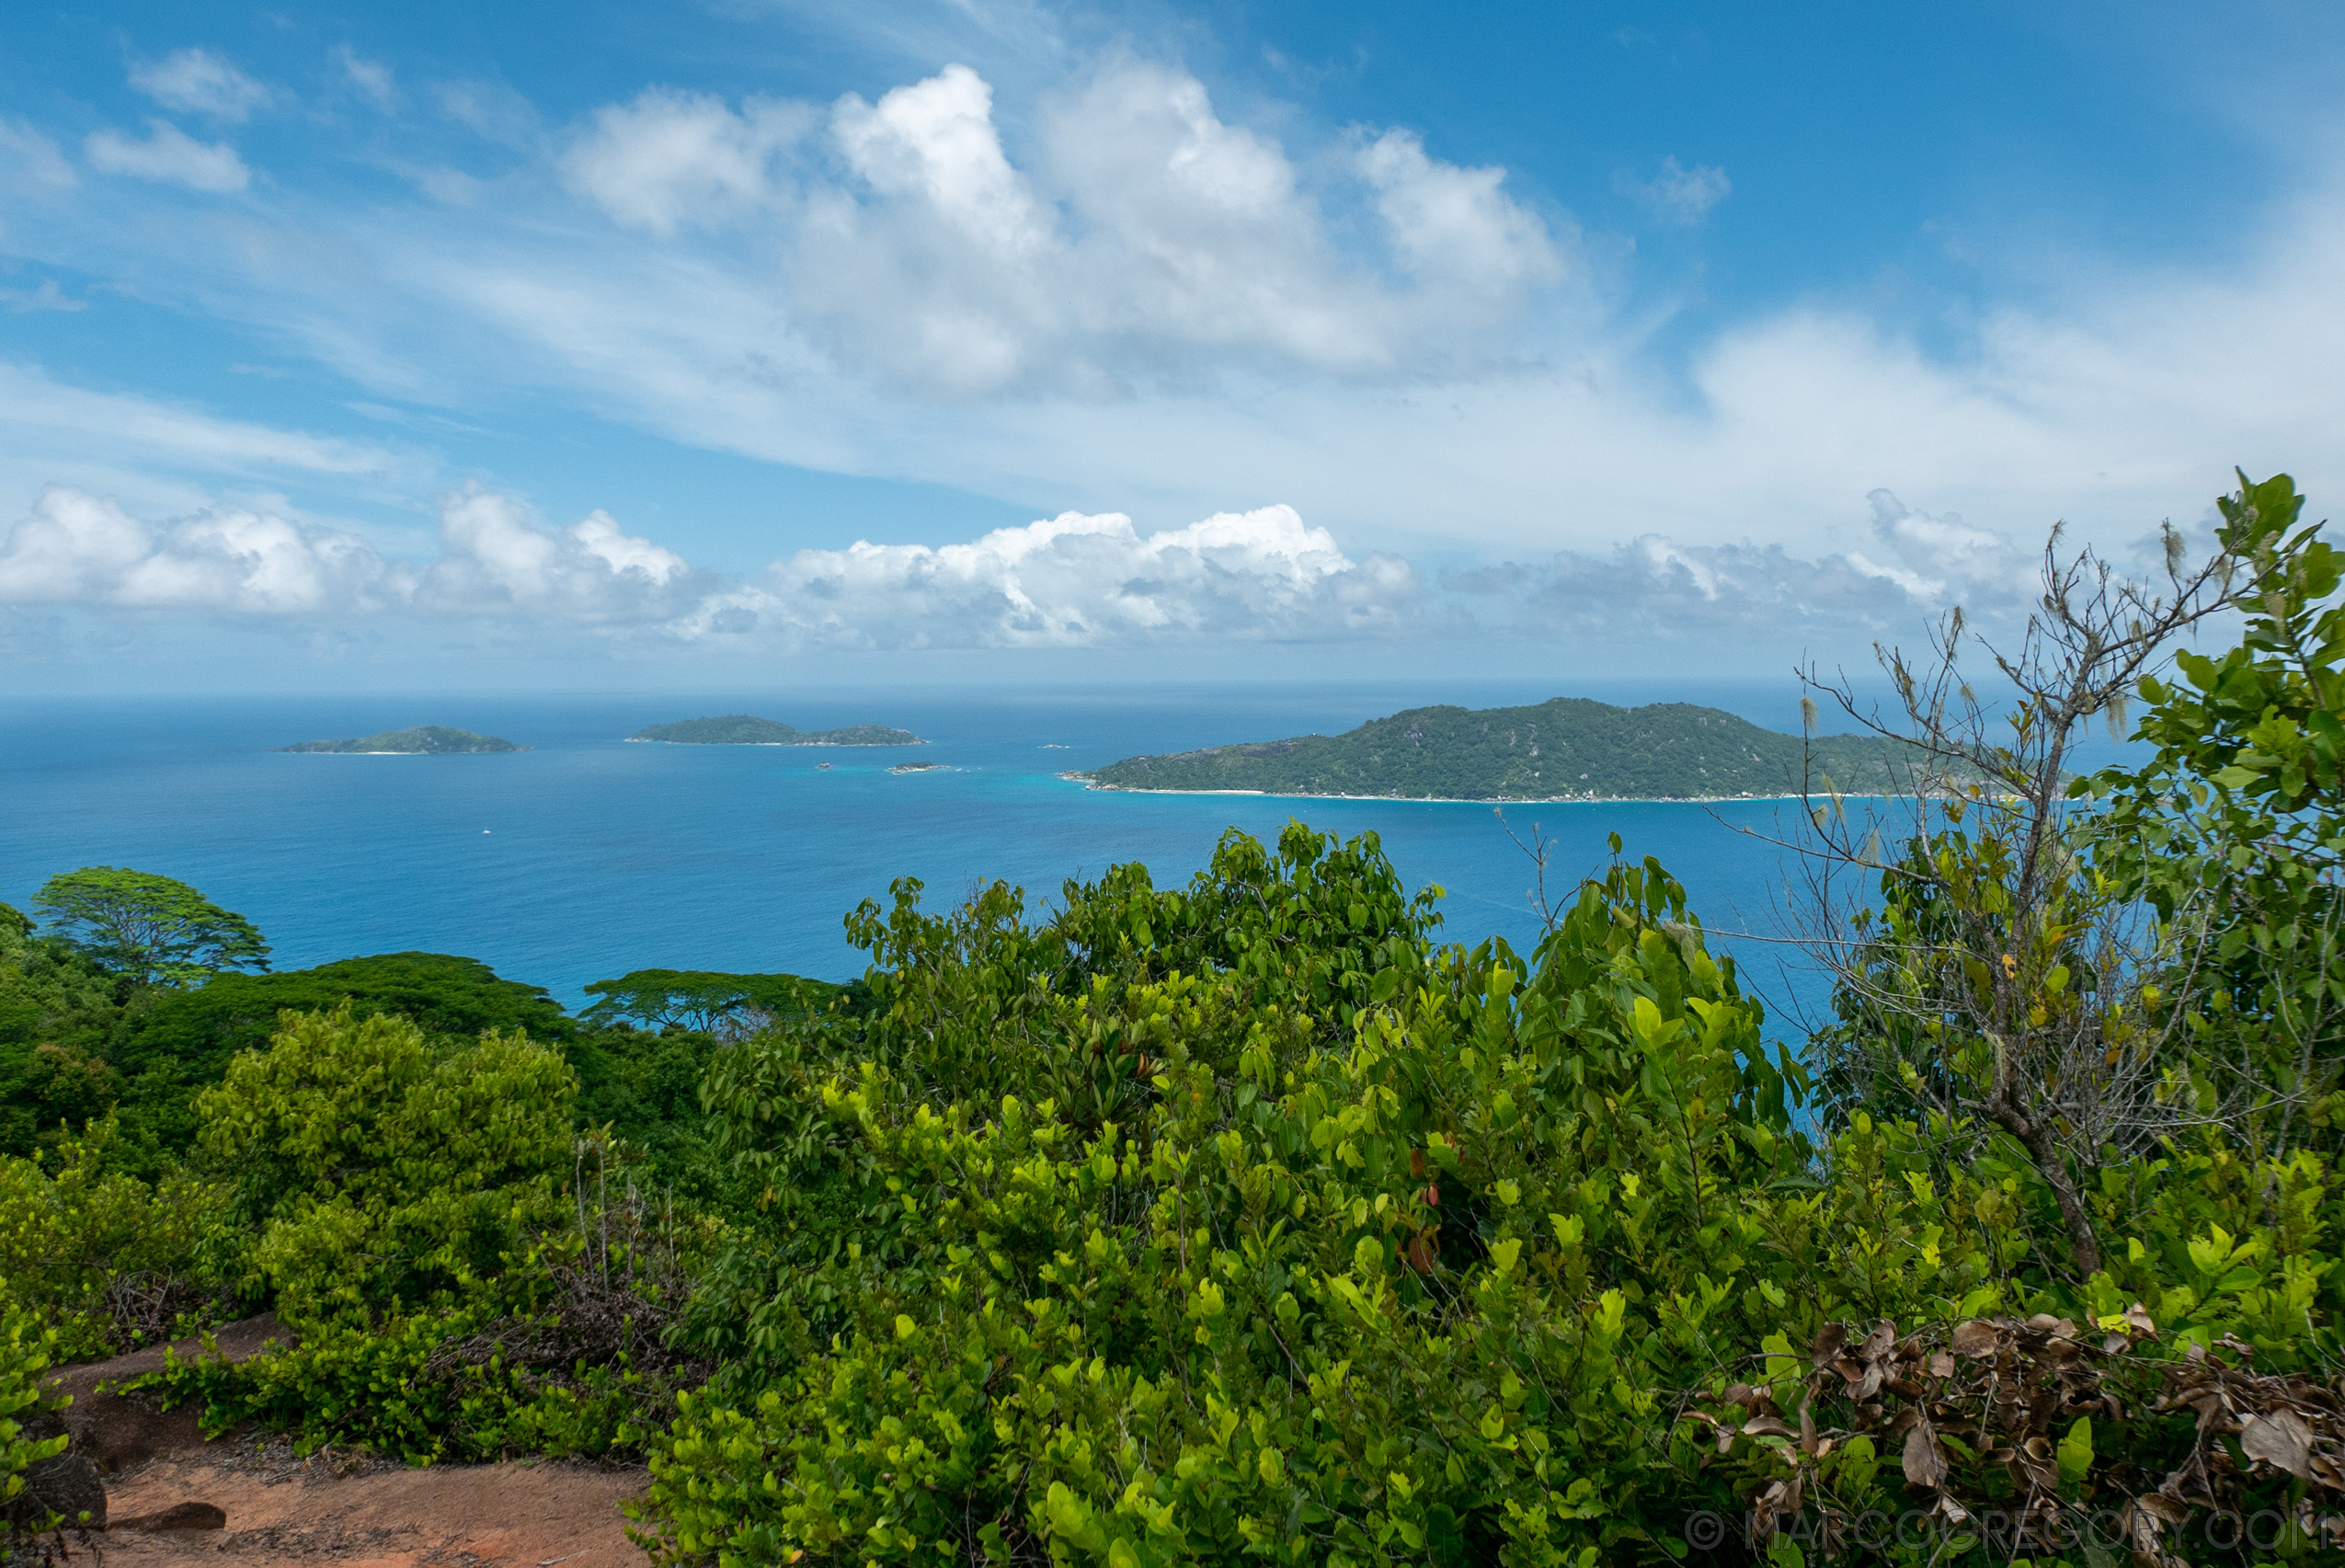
(1416, 394)
(1073, 581)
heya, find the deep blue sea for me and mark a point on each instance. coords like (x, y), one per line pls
(586, 857)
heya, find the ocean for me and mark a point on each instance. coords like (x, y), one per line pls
(587, 857)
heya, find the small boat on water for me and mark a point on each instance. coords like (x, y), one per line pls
(822, 767)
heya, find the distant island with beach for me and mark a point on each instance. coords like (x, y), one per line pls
(1568, 748)
(422, 740)
(745, 730)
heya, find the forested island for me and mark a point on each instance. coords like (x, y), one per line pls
(422, 740)
(1568, 748)
(745, 730)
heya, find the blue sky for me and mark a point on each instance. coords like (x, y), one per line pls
(612, 345)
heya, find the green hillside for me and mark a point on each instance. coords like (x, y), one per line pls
(424, 740)
(744, 730)
(1567, 748)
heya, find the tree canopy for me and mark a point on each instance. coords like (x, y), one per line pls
(156, 929)
(705, 1000)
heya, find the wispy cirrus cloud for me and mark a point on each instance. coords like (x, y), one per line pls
(373, 79)
(169, 155)
(39, 412)
(197, 81)
(1676, 194)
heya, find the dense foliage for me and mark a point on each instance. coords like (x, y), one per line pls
(1249, 1219)
(1570, 748)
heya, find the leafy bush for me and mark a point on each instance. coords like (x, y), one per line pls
(108, 1261)
(1217, 1280)
(563, 1350)
(379, 1169)
(979, 1003)
(414, 1388)
(27, 1351)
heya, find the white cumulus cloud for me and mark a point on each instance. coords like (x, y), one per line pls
(1139, 239)
(667, 158)
(494, 560)
(1457, 225)
(1081, 581)
(75, 548)
(168, 154)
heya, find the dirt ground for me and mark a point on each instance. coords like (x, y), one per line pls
(249, 1501)
(522, 1516)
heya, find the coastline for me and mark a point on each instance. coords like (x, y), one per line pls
(1476, 800)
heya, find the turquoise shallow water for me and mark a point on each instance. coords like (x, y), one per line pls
(585, 857)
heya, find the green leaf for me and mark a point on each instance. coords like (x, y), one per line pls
(2077, 1452)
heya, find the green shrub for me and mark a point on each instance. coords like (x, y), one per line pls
(1228, 1280)
(410, 1388)
(106, 1260)
(27, 1351)
(380, 1169)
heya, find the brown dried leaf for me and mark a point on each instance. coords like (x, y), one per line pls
(2278, 1437)
(1975, 1339)
(1879, 1342)
(2137, 1318)
(1924, 1460)
(1765, 1427)
(1828, 1341)
(1941, 1364)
